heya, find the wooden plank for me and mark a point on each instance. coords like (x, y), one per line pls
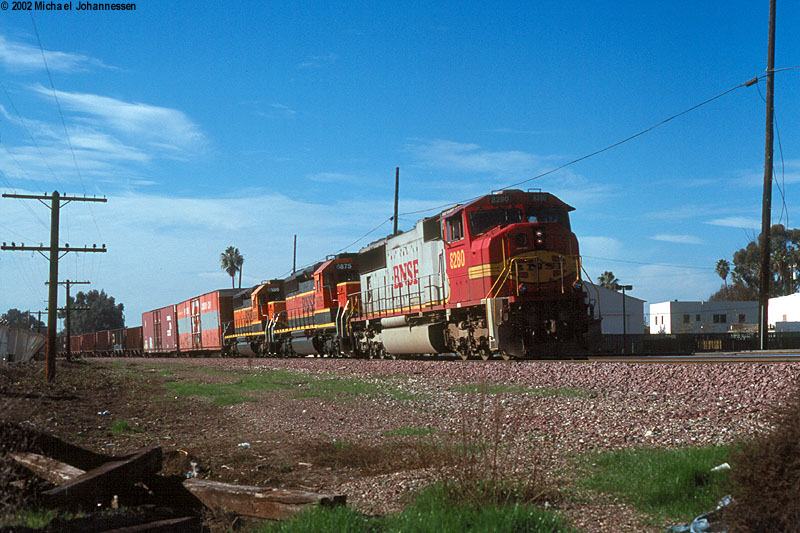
(260, 502)
(47, 468)
(115, 477)
(178, 525)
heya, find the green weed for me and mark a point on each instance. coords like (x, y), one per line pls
(431, 510)
(123, 426)
(406, 431)
(666, 484)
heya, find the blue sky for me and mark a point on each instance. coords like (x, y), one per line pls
(211, 124)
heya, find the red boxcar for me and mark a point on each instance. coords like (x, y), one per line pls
(116, 339)
(204, 320)
(159, 330)
(87, 342)
(102, 343)
(133, 340)
(75, 344)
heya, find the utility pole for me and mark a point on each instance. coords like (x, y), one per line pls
(294, 255)
(396, 196)
(52, 305)
(766, 203)
(66, 309)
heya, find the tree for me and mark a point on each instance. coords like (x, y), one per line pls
(20, 319)
(735, 292)
(784, 266)
(784, 261)
(231, 262)
(609, 281)
(103, 313)
(723, 269)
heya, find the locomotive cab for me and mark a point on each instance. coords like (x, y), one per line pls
(513, 255)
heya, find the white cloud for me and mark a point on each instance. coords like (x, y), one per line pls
(162, 127)
(451, 155)
(736, 222)
(678, 239)
(18, 56)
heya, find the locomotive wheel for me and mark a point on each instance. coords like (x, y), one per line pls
(505, 355)
(485, 354)
(464, 355)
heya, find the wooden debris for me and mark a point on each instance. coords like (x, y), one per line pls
(115, 477)
(47, 468)
(260, 502)
(187, 523)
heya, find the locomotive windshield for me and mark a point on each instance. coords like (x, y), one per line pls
(482, 221)
(547, 214)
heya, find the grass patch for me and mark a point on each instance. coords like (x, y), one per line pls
(336, 389)
(235, 391)
(666, 484)
(407, 431)
(497, 388)
(123, 426)
(235, 386)
(431, 510)
(32, 518)
(380, 459)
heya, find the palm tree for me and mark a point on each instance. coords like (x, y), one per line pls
(723, 269)
(608, 280)
(231, 262)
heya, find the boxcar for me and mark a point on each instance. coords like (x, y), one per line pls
(133, 340)
(204, 320)
(88, 343)
(159, 330)
(102, 343)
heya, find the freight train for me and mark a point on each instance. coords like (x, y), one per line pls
(497, 276)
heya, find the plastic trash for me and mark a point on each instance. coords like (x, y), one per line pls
(244, 444)
(723, 466)
(106, 412)
(706, 522)
(193, 472)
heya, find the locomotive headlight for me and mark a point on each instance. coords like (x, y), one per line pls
(539, 237)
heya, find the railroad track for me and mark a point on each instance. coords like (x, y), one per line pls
(743, 357)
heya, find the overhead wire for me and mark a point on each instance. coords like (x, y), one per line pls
(63, 122)
(33, 139)
(647, 264)
(605, 149)
(782, 185)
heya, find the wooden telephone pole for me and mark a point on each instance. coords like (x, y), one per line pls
(766, 202)
(56, 202)
(67, 309)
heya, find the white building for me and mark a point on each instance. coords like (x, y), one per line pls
(783, 313)
(608, 303)
(701, 317)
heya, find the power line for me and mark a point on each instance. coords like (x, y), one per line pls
(63, 122)
(33, 139)
(609, 147)
(647, 264)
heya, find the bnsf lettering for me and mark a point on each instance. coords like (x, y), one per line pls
(405, 274)
(457, 259)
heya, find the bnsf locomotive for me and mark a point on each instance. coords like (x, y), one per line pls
(500, 275)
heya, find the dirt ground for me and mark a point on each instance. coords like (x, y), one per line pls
(375, 430)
